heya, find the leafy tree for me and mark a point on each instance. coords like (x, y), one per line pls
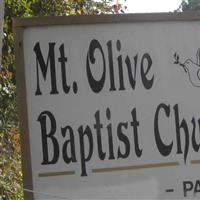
(189, 5)
(10, 157)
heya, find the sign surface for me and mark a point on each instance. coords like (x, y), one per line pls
(110, 106)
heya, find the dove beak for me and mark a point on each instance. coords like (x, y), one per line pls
(184, 67)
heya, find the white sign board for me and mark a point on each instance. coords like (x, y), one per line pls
(112, 106)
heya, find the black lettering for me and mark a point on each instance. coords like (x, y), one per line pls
(110, 58)
(98, 126)
(135, 124)
(63, 60)
(45, 136)
(163, 148)
(184, 127)
(121, 75)
(85, 158)
(70, 142)
(96, 85)
(43, 66)
(197, 187)
(146, 82)
(110, 138)
(132, 80)
(122, 137)
(187, 186)
(194, 142)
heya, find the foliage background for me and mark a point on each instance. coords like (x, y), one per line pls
(10, 154)
(189, 5)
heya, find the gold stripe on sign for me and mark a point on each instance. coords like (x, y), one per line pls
(64, 173)
(135, 167)
(193, 162)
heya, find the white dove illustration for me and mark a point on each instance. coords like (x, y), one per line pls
(191, 68)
